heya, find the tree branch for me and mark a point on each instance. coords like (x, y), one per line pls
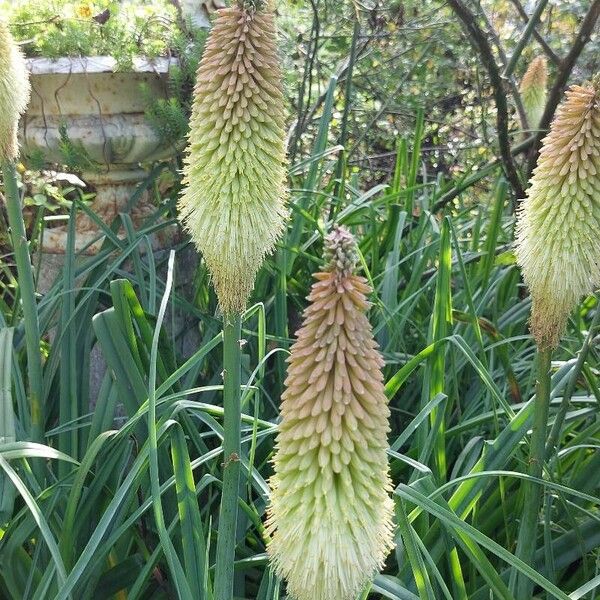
(479, 40)
(536, 34)
(562, 77)
(512, 84)
(535, 17)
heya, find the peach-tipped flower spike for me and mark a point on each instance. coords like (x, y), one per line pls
(558, 231)
(329, 525)
(533, 90)
(233, 204)
(14, 93)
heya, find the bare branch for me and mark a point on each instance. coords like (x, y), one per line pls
(554, 58)
(297, 127)
(384, 105)
(480, 41)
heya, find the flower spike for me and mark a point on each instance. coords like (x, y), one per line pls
(233, 204)
(329, 523)
(558, 231)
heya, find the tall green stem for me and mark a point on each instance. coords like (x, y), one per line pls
(532, 492)
(231, 457)
(27, 291)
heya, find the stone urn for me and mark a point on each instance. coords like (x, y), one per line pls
(102, 111)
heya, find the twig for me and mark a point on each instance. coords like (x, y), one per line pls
(393, 95)
(52, 19)
(478, 175)
(317, 40)
(479, 39)
(347, 105)
(297, 127)
(305, 86)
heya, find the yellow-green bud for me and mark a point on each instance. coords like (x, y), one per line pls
(533, 90)
(329, 524)
(233, 204)
(14, 93)
(558, 231)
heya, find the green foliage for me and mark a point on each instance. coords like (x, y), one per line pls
(170, 116)
(52, 28)
(95, 514)
(35, 160)
(75, 157)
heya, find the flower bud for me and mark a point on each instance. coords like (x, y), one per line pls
(533, 90)
(558, 231)
(233, 202)
(329, 523)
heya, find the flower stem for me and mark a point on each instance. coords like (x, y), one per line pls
(28, 300)
(532, 492)
(231, 457)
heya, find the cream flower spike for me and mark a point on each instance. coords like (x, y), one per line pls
(329, 525)
(533, 90)
(14, 93)
(558, 231)
(233, 204)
